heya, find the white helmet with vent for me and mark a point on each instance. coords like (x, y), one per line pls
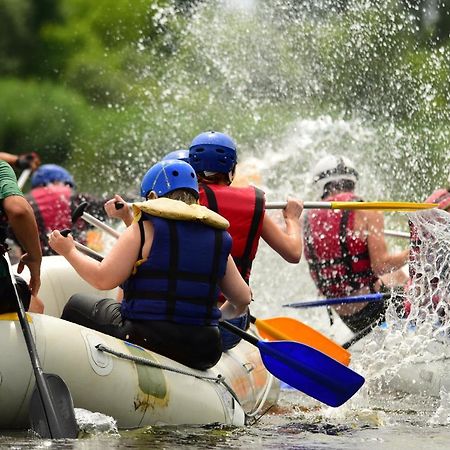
(333, 168)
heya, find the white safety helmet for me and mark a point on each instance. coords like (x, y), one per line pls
(333, 168)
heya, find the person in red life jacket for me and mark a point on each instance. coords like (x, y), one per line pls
(17, 213)
(428, 293)
(171, 262)
(346, 250)
(213, 156)
(53, 199)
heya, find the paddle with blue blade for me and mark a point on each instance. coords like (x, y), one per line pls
(289, 329)
(340, 300)
(305, 368)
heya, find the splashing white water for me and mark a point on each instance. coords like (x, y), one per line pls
(95, 423)
(412, 354)
(442, 414)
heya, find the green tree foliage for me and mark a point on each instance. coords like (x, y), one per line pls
(40, 116)
(122, 82)
(16, 39)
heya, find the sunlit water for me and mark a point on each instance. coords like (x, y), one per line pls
(279, 161)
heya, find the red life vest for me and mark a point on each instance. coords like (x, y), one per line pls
(244, 208)
(52, 207)
(338, 260)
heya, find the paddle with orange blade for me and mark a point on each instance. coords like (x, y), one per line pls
(288, 329)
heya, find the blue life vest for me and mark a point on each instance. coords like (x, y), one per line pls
(179, 280)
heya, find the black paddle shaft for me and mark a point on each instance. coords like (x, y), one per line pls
(54, 425)
(358, 336)
(241, 333)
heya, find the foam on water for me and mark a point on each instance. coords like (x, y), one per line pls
(95, 423)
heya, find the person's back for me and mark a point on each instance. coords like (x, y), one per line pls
(244, 208)
(337, 253)
(52, 208)
(346, 250)
(170, 296)
(214, 158)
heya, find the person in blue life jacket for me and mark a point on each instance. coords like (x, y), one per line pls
(16, 213)
(346, 250)
(213, 155)
(171, 262)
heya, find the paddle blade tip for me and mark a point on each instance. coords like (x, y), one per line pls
(53, 417)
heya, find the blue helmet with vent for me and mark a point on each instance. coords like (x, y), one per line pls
(167, 176)
(213, 152)
(181, 154)
(51, 173)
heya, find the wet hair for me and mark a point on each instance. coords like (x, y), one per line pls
(338, 186)
(216, 178)
(183, 195)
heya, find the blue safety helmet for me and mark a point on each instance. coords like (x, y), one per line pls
(50, 173)
(167, 176)
(182, 155)
(213, 152)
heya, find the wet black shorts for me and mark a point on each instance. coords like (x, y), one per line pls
(198, 347)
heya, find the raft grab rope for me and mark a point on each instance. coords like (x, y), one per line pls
(146, 362)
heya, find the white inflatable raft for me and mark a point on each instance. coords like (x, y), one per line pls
(135, 386)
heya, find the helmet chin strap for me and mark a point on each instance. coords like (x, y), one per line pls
(231, 174)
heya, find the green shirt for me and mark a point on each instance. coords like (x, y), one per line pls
(8, 187)
(8, 182)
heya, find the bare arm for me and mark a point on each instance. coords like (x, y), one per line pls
(9, 158)
(123, 213)
(236, 291)
(381, 260)
(23, 161)
(287, 243)
(115, 268)
(23, 223)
